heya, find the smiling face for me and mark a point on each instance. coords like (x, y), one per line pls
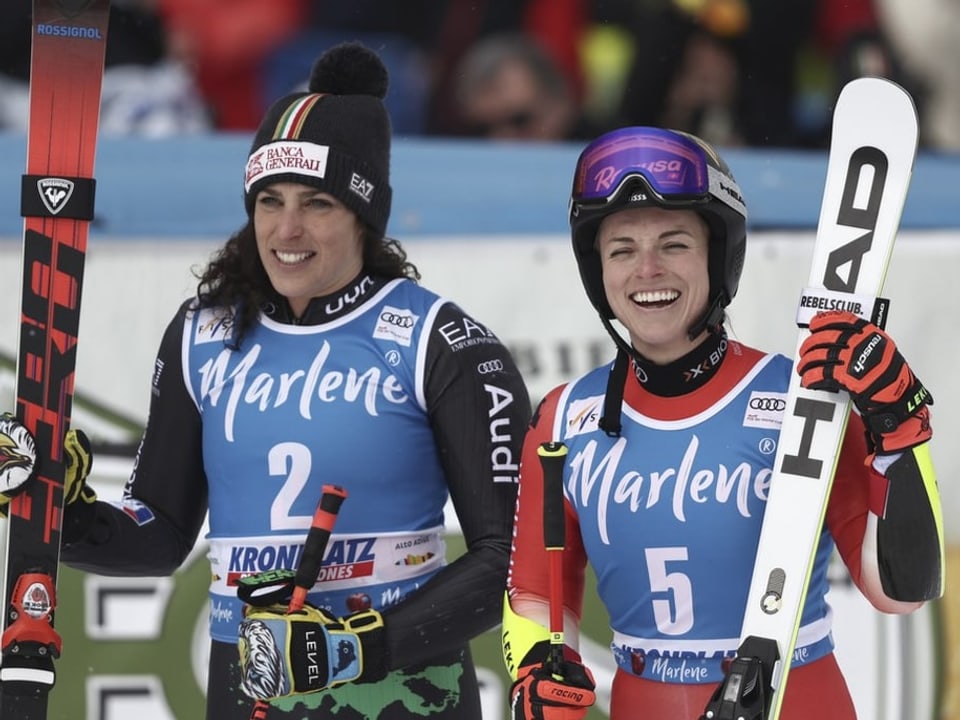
(655, 277)
(309, 243)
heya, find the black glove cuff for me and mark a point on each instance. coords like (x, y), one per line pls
(376, 664)
(78, 518)
(883, 419)
(536, 655)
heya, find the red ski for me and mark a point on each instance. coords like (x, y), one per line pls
(66, 74)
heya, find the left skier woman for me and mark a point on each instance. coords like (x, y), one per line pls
(311, 356)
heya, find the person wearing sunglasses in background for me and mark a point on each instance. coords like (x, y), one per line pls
(657, 439)
(509, 88)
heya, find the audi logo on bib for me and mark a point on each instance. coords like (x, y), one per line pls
(403, 321)
(768, 403)
(490, 366)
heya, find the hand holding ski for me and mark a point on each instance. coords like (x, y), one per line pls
(872, 150)
(844, 352)
(66, 72)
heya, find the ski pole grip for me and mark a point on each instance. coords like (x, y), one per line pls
(316, 543)
(552, 456)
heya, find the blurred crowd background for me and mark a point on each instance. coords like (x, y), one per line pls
(751, 73)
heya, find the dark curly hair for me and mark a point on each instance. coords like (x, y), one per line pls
(236, 280)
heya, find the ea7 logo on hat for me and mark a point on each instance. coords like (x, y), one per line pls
(361, 186)
(55, 192)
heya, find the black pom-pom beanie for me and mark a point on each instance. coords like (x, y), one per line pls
(336, 137)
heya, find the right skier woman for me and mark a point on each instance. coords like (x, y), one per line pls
(670, 451)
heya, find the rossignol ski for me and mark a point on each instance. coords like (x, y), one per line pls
(873, 146)
(57, 193)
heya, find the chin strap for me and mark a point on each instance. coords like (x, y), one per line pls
(712, 319)
(613, 398)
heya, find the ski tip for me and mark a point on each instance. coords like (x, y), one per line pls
(876, 91)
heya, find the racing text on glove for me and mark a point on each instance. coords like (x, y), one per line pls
(544, 693)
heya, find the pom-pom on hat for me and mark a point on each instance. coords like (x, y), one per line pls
(335, 137)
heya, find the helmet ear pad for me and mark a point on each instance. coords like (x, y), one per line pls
(590, 266)
(725, 256)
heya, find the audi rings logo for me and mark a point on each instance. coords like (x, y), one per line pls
(401, 321)
(774, 404)
(490, 366)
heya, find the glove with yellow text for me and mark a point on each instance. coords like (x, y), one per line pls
(289, 653)
(846, 352)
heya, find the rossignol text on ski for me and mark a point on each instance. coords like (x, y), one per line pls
(67, 60)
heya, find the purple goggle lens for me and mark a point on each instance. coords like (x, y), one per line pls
(672, 165)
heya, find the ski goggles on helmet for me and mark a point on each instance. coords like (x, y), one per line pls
(672, 166)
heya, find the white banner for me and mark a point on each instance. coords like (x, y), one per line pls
(528, 291)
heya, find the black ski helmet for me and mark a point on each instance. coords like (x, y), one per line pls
(646, 166)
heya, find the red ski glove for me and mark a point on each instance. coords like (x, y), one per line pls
(539, 694)
(846, 352)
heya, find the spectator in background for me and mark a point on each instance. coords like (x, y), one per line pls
(750, 72)
(848, 41)
(509, 88)
(420, 41)
(404, 35)
(924, 36)
(914, 44)
(147, 90)
(724, 70)
(226, 43)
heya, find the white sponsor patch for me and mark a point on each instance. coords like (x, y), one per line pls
(815, 300)
(396, 325)
(583, 416)
(350, 560)
(765, 409)
(284, 156)
(212, 325)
